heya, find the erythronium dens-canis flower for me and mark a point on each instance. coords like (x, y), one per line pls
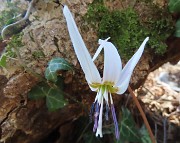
(114, 80)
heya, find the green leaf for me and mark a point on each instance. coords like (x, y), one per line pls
(54, 96)
(39, 91)
(3, 60)
(145, 138)
(174, 6)
(10, 21)
(54, 66)
(177, 32)
(55, 99)
(128, 131)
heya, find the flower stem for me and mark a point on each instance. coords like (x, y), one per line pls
(143, 115)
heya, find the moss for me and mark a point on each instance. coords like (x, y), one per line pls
(161, 26)
(14, 43)
(38, 54)
(127, 31)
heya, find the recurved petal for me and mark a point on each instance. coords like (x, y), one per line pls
(126, 73)
(91, 73)
(99, 48)
(123, 86)
(112, 63)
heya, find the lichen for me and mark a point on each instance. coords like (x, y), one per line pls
(126, 29)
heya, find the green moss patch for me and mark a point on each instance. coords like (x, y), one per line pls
(127, 31)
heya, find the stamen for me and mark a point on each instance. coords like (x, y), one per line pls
(107, 112)
(99, 129)
(91, 112)
(96, 117)
(115, 122)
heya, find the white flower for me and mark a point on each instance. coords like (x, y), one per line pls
(114, 80)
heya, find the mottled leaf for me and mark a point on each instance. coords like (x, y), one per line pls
(54, 96)
(3, 60)
(174, 6)
(39, 91)
(177, 32)
(145, 138)
(128, 130)
(54, 66)
(55, 99)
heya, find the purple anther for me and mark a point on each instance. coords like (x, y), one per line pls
(115, 122)
(96, 116)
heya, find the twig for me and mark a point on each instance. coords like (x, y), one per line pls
(155, 131)
(148, 90)
(165, 131)
(3, 32)
(143, 115)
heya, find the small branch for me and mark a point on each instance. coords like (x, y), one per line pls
(3, 32)
(142, 114)
(165, 131)
(156, 130)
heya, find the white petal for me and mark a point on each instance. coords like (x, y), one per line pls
(99, 48)
(112, 63)
(123, 86)
(99, 128)
(92, 88)
(97, 52)
(91, 73)
(128, 69)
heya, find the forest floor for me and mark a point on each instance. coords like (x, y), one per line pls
(161, 96)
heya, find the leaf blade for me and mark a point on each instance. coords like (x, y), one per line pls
(54, 96)
(128, 131)
(3, 60)
(177, 32)
(55, 65)
(174, 6)
(38, 91)
(145, 138)
(55, 100)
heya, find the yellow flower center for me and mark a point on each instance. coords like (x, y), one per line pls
(109, 86)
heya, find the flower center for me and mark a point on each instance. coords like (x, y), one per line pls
(109, 86)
